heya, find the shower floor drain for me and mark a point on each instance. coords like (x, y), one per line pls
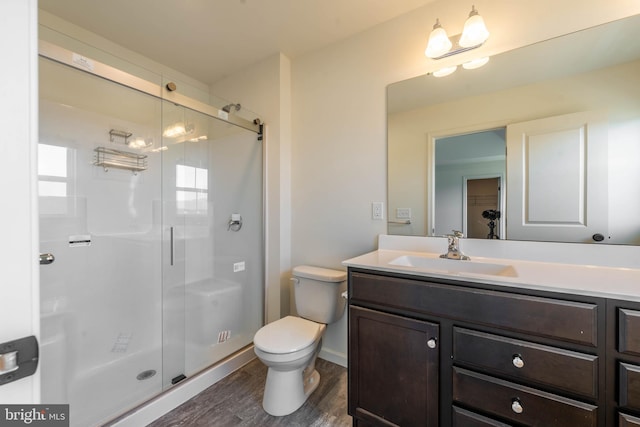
(145, 375)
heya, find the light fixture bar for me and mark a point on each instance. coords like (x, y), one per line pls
(456, 49)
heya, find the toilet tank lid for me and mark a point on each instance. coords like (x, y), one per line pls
(319, 273)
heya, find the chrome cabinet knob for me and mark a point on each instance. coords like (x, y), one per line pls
(516, 406)
(518, 362)
(432, 343)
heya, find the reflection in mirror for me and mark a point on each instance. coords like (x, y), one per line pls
(568, 111)
(469, 171)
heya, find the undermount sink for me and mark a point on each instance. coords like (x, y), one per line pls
(454, 266)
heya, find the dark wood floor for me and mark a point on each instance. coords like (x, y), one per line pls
(237, 401)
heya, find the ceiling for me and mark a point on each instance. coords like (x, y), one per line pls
(211, 39)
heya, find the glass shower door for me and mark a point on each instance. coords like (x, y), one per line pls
(99, 198)
(213, 287)
(154, 215)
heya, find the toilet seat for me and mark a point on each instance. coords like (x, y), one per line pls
(287, 335)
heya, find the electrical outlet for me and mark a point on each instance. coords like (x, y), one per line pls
(238, 266)
(403, 213)
(377, 210)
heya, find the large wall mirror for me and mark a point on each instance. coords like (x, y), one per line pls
(542, 143)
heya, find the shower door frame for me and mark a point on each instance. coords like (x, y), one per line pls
(64, 56)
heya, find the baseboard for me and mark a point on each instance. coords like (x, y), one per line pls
(177, 395)
(333, 357)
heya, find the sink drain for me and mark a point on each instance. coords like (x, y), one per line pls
(145, 375)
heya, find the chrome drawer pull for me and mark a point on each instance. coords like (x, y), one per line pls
(518, 361)
(516, 406)
(431, 343)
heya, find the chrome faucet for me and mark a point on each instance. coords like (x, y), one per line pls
(453, 251)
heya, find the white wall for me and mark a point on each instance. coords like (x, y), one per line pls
(20, 312)
(266, 87)
(339, 119)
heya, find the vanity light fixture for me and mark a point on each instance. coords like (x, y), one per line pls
(439, 42)
(469, 65)
(445, 71)
(475, 63)
(474, 34)
(475, 31)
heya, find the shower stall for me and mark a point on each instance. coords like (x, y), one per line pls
(153, 211)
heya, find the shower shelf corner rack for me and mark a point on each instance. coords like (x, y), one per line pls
(114, 135)
(111, 158)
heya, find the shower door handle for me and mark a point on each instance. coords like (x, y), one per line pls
(171, 245)
(46, 259)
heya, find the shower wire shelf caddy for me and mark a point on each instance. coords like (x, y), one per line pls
(111, 158)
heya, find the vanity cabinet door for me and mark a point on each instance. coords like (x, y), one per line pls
(393, 369)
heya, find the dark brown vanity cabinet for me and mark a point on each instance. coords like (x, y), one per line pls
(397, 379)
(427, 352)
(623, 362)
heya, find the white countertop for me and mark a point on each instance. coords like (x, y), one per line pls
(572, 278)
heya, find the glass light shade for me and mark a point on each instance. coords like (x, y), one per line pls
(439, 42)
(475, 63)
(445, 71)
(475, 31)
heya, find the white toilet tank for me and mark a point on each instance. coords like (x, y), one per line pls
(318, 293)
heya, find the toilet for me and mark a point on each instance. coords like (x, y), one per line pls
(289, 346)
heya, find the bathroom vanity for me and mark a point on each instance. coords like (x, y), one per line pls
(430, 345)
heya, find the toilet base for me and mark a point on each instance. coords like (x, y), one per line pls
(285, 393)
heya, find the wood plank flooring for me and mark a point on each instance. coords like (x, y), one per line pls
(237, 401)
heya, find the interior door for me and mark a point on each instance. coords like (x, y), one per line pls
(482, 210)
(557, 178)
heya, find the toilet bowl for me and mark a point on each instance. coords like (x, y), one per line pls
(289, 346)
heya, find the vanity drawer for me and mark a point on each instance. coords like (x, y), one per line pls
(629, 331)
(464, 418)
(556, 367)
(629, 392)
(625, 420)
(520, 404)
(559, 319)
